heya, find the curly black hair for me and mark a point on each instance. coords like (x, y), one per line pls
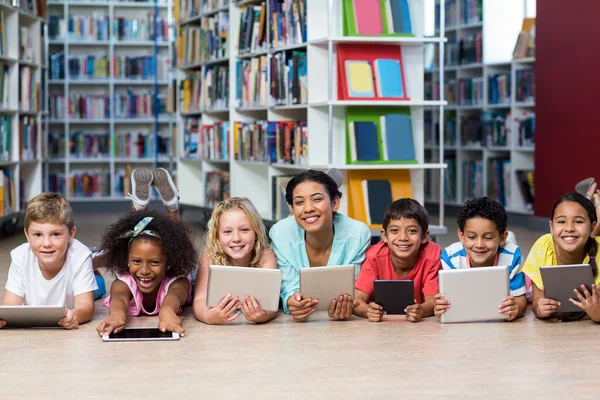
(483, 207)
(175, 238)
(316, 176)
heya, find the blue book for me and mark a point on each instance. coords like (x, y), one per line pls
(389, 78)
(401, 16)
(364, 142)
(377, 196)
(397, 138)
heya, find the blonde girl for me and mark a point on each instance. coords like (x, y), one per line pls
(236, 236)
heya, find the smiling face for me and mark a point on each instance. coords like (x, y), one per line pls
(570, 227)
(236, 237)
(404, 238)
(147, 264)
(49, 243)
(481, 239)
(313, 208)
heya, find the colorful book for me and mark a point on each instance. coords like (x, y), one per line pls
(367, 15)
(377, 196)
(396, 137)
(359, 78)
(364, 142)
(388, 76)
(400, 11)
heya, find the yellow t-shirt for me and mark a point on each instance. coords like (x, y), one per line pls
(542, 254)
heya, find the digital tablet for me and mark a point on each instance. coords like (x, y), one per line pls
(32, 316)
(327, 283)
(262, 284)
(394, 296)
(140, 334)
(474, 293)
(560, 281)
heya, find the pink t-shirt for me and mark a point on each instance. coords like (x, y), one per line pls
(378, 266)
(136, 305)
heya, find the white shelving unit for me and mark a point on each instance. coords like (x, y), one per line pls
(325, 114)
(21, 27)
(500, 27)
(163, 126)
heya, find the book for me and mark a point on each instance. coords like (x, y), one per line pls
(364, 141)
(389, 78)
(377, 196)
(367, 15)
(397, 138)
(359, 78)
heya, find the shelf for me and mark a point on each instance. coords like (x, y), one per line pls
(140, 82)
(252, 109)
(217, 162)
(243, 56)
(377, 103)
(26, 15)
(297, 167)
(191, 113)
(29, 113)
(290, 107)
(525, 149)
(391, 166)
(498, 106)
(244, 3)
(139, 43)
(471, 25)
(7, 111)
(137, 4)
(74, 42)
(524, 104)
(516, 210)
(129, 160)
(76, 3)
(150, 120)
(216, 61)
(465, 108)
(216, 111)
(527, 60)
(191, 66)
(208, 13)
(88, 82)
(74, 160)
(498, 148)
(8, 60)
(80, 121)
(29, 64)
(415, 41)
(464, 67)
(288, 47)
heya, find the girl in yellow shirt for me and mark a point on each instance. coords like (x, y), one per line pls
(569, 242)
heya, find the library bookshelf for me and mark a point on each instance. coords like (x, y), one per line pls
(109, 74)
(21, 108)
(498, 159)
(323, 110)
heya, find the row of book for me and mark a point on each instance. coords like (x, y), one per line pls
(373, 73)
(134, 105)
(253, 29)
(379, 136)
(282, 142)
(3, 48)
(206, 141)
(80, 184)
(187, 9)
(468, 91)
(210, 91)
(130, 105)
(471, 12)
(468, 50)
(28, 138)
(99, 67)
(287, 22)
(377, 17)
(525, 85)
(97, 27)
(29, 89)
(216, 187)
(499, 89)
(190, 90)
(4, 89)
(281, 82)
(5, 137)
(8, 198)
(432, 182)
(141, 145)
(198, 44)
(431, 129)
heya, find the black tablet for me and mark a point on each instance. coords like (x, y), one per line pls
(560, 282)
(394, 296)
(140, 334)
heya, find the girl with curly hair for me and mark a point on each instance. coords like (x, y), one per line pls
(152, 256)
(236, 236)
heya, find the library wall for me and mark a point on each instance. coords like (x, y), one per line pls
(566, 89)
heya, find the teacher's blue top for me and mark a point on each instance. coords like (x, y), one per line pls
(350, 243)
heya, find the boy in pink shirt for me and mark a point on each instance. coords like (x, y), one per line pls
(405, 253)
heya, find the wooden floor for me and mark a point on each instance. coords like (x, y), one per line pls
(317, 359)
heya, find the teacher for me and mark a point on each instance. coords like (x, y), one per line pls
(316, 235)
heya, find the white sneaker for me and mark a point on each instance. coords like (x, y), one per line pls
(166, 188)
(141, 180)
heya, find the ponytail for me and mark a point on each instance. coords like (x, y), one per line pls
(591, 248)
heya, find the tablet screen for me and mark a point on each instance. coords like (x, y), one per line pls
(140, 333)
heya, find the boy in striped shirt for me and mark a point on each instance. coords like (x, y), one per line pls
(483, 243)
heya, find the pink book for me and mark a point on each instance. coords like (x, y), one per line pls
(367, 15)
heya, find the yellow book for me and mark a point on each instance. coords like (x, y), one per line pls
(359, 79)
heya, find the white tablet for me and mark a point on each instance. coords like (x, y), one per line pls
(32, 316)
(262, 284)
(327, 283)
(560, 281)
(140, 334)
(474, 293)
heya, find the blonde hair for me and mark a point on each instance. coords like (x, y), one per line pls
(213, 245)
(49, 208)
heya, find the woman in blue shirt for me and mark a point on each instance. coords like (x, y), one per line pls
(315, 235)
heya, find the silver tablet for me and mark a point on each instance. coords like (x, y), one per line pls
(474, 293)
(560, 281)
(262, 284)
(32, 316)
(327, 283)
(140, 334)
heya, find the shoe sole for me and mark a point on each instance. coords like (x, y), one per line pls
(164, 185)
(141, 179)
